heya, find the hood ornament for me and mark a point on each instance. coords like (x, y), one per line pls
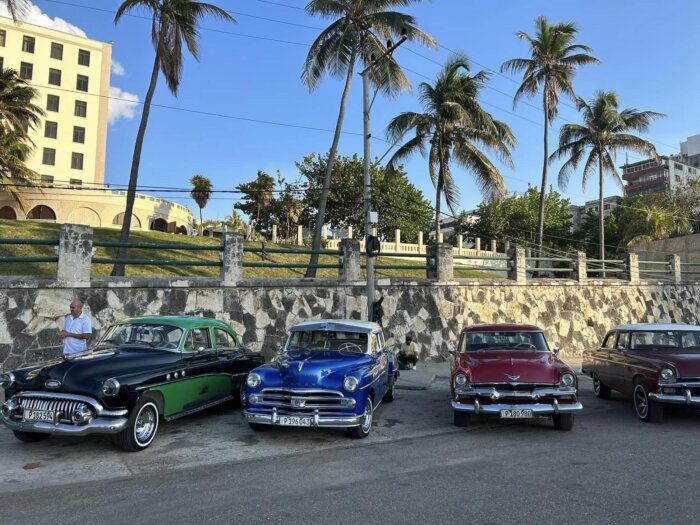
(512, 378)
(53, 384)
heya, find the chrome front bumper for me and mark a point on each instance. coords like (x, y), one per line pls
(677, 399)
(537, 408)
(96, 426)
(317, 419)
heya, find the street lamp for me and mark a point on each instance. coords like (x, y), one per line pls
(370, 216)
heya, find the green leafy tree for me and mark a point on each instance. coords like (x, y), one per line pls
(454, 128)
(550, 68)
(174, 23)
(515, 219)
(235, 222)
(358, 32)
(400, 205)
(258, 197)
(605, 131)
(201, 193)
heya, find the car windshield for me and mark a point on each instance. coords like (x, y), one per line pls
(487, 341)
(664, 340)
(163, 337)
(327, 340)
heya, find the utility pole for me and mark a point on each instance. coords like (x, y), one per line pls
(366, 178)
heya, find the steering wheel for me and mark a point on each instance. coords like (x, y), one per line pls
(352, 347)
(526, 346)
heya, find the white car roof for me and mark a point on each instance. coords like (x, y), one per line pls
(340, 325)
(662, 327)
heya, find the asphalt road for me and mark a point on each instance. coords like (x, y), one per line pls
(415, 468)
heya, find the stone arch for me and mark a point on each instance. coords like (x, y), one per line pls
(119, 220)
(41, 212)
(8, 212)
(86, 216)
(181, 230)
(159, 225)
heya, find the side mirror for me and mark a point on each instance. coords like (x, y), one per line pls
(452, 351)
(555, 351)
(621, 348)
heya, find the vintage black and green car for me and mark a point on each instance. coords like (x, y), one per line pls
(141, 369)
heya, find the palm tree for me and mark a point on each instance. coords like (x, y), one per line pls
(174, 23)
(604, 132)
(359, 31)
(454, 127)
(14, 173)
(201, 193)
(235, 222)
(551, 67)
(18, 8)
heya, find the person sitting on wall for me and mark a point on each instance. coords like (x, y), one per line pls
(408, 354)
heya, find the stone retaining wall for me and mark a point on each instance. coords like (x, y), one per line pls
(574, 315)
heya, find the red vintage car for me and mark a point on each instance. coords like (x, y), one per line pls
(509, 371)
(655, 363)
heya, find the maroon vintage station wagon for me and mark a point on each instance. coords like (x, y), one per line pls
(655, 363)
(509, 371)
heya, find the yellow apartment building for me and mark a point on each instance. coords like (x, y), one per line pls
(72, 76)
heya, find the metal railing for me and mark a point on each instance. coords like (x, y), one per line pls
(458, 264)
(549, 269)
(155, 246)
(29, 258)
(291, 251)
(659, 269)
(606, 266)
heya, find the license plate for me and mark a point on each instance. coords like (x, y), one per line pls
(39, 415)
(294, 421)
(516, 414)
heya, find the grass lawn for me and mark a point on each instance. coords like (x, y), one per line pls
(44, 230)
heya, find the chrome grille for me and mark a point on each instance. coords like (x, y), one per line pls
(64, 407)
(302, 400)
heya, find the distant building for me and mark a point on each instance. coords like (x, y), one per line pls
(447, 225)
(690, 151)
(654, 176)
(72, 76)
(579, 212)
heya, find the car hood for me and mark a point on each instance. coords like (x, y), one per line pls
(686, 362)
(512, 367)
(85, 373)
(309, 369)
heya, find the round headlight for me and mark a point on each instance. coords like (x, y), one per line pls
(567, 380)
(667, 375)
(111, 387)
(7, 380)
(461, 380)
(350, 383)
(253, 380)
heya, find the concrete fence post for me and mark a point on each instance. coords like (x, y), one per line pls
(494, 246)
(231, 258)
(349, 232)
(578, 263)
(420, 242)
(397, 240)
(439, 258)
(74, 255)
(441, 238)
(274, 234)
(477, 245)
(349, 270)
(674, 263)
(324, 232)
(460, 244)
(632, 267)
(517, 270)
(300, 235)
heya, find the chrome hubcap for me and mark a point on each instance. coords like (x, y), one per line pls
(145, 424)
(596, 385)
(367, 421)
(640, 401)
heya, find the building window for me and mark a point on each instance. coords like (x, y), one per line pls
(82, 83)
(7, 213)
(26, 70)
(55, 77)
(83, 57)
(75, 182)
(28, 44)
(52, 103)
(49, 157)
(76, 161)
(2, 63)
(80, 108)
(47, 180)
(78, 134)
(51, 129)
(42, 212)
(56, 50)
(3, 36)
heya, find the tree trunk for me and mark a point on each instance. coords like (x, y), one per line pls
(437, 207)
(201, 224)
(543, 188)
(118, 269)
(601, 213)
(318, 228)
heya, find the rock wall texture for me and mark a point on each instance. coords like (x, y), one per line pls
(574, 316)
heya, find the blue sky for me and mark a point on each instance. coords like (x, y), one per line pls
(648, 53)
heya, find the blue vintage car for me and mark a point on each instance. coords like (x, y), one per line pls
(330, 373)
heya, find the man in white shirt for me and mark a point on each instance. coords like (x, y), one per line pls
(77, 329)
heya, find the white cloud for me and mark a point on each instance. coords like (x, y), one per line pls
(37, 17)
(122, 105)
(117, 69)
